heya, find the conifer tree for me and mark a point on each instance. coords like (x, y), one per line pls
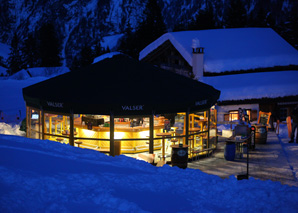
(86, 56)
(15, 57)
(153, 26)
(29, 49)
(6, 20)
(236, 15)
(49, 47)
(127, 44)
(204, 20)
(149, 29)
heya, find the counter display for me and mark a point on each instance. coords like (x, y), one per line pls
(122, 131)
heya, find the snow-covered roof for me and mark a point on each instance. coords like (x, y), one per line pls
(232, 49)
(255, 85)
(104, 56)
(39, 71)
(44, 175)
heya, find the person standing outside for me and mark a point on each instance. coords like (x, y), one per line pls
(294, 125)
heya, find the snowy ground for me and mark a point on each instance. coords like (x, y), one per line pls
(46, 176)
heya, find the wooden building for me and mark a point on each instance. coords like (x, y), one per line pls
(234, 61)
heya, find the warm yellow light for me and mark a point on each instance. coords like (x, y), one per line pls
(87, 133)
(144, 134)
(119, 135)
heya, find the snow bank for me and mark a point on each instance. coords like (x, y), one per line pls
(43, 176)
(7, 129)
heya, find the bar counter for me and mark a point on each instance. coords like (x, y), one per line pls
(119, 128)
(89, 136)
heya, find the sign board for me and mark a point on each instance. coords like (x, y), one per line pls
(264, 117)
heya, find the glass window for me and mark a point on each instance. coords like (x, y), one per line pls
(213, 128)
(234, 115)
(57, 127)
(92, 131)
(165, 127)
(34, 123)
(199, 127)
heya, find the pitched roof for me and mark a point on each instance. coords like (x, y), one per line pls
(232, 49)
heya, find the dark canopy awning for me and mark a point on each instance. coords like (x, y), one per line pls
(121, 85)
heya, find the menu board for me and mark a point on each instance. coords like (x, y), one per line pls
(264, 117)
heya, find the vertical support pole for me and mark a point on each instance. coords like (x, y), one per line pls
(151, 134)
(42, 124)
(50, 125)
(71, 132)
(187, 127)
(39, 124)
(215, 120)
(112, 135)
(27, 122)
(208, 133)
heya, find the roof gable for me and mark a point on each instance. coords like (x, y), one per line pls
(232, 49)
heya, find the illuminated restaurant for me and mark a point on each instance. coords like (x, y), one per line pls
(123, 106)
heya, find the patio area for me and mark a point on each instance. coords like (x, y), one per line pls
(277, 160)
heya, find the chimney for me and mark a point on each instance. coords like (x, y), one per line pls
(197, 59)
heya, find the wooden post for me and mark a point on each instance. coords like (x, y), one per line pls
(39, 125)
(151, 134)
(208, 133)
(50, 125)
(71, 132)
(112, 137)
(215, 120)
(277, 127)
(27, 122)
(42, 124)
(187, 127)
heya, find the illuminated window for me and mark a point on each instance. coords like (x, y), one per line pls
(234, 115)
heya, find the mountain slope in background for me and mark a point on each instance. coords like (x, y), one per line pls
(81, 23)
